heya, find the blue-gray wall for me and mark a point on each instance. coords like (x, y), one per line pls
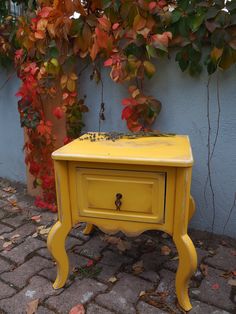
(11, 135)
(184, 111)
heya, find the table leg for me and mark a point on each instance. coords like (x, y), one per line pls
(186, 268)
(56, 246)
(191, 208)
(88, 229)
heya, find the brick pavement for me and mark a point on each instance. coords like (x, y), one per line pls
(105, 279)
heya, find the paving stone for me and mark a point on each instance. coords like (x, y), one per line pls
(92, 248)
(44, 252)
(71, 242)
(224, 259)
(144, 308)
(2, 212)
(202, 308)
(112, 259)
(38, 288)
(48, 218)
(15, 221)
(151, 276)
(124, 294)
(106, 272)
(19, 253)
(4, 228)
(23, 231)
(20, 275)
(93, 308)
(217, 297)
(6, 291)
(43, 310)
(153, 260)
(167, 285)
(5, 266)
(81, 291)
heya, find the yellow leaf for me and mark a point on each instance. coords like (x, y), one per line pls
(112, 279)
(139, 22)
(64, 79)
(216, 53)
(71, 85)
(73, 77)
(149, 68)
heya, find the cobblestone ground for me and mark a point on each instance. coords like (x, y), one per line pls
(108, 274)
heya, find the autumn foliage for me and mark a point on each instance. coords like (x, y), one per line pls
(126, 36)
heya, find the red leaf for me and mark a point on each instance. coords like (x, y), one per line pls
(90, 263)
(152, 5)
(58, 112)
(126, 113)
(78, 309)
(215, 286)
(105, 23)
(115, 26)
(45, 12)
(129, 101)
(108, 62)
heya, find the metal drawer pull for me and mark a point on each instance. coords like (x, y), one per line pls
(118, 202)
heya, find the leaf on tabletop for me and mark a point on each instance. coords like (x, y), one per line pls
(165, 250)
(32, 306)
(77, 309)
(9, 189)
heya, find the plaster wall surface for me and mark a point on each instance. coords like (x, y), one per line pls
(11, 134)
(184, 111)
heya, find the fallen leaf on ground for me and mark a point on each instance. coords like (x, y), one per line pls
(36, 218)
(122, 245)
(165, 235)
(138, 267)
(175, 258)
(233, 252)
(232, 282)
(142, 293)
(77, 309)
(35, 235)
(6, 244)
(234, 272)
(204, 269)
(32, 306)
(215, 286)
(226, 275)
(15, 236)
(112, 279)
(90, 263)
(43, 230)
(2, 238)
(165, 250)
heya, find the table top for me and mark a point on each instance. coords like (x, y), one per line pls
(166, 150)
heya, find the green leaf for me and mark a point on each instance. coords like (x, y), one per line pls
(196, 22)
(151, 51)
(175, 16)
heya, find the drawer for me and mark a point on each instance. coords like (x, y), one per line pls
(119, 194)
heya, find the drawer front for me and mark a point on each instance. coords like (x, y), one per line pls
(118, 194)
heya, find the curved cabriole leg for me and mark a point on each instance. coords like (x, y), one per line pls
(88, 229)
(186, 268)
(191, 208)
(56, 245)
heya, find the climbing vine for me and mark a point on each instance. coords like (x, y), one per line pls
(126, 36)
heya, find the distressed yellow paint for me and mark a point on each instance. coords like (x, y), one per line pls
(153, 177)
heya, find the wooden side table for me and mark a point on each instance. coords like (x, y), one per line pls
(128, 185)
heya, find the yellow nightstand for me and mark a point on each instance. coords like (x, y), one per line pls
(129, 185)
